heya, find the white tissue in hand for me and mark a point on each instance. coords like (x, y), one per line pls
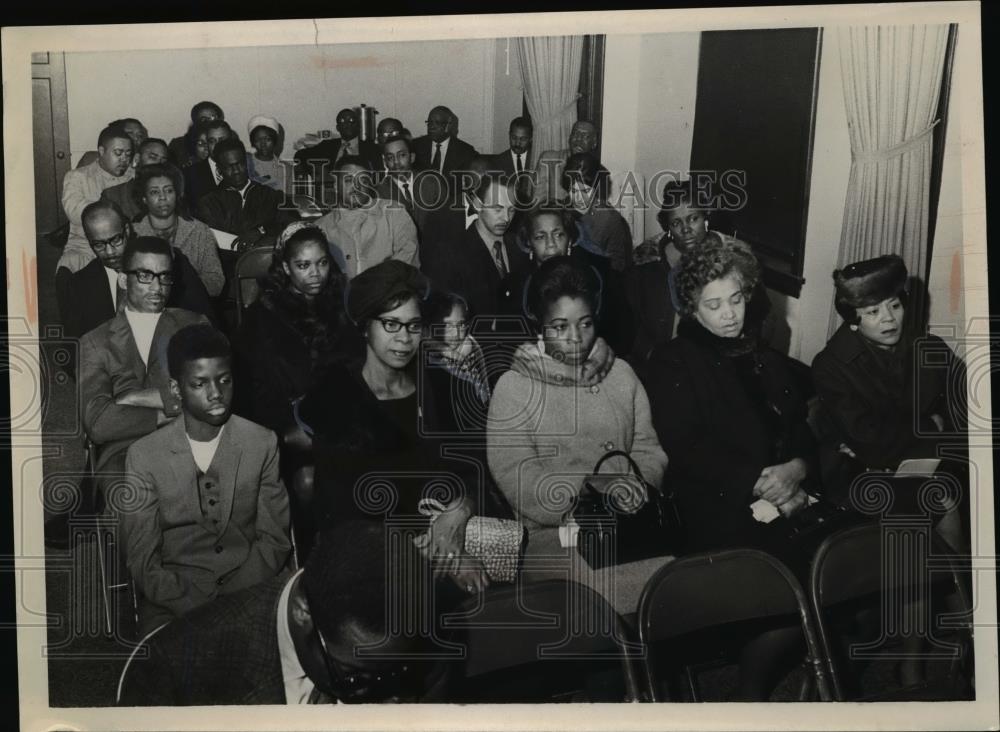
(764, 511)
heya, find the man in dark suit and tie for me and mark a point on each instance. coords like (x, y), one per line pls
(423, 193)
(439, 149)
(204, 176)
(92, 296)
(514, 160)
(210, 514)
(124, 386)
(319, 160)
(302, 640)
(487, 260)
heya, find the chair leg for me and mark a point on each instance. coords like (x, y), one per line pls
(692, 684)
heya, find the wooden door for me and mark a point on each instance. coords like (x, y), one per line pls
(50, 134)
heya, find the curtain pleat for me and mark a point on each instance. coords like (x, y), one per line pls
(550, 73)
(892, 81)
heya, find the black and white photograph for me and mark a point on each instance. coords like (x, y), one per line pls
(596, 370)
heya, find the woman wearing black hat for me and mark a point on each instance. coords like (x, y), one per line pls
(887, 395)
(377, 437)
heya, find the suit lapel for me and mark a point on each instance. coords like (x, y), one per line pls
(123, 345)
(227, 462)
(184, 470)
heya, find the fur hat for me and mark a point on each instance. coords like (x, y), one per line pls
(868, 283)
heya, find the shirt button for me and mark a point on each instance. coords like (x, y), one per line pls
(212, 501)
(220, 582)
(209, 485)
(218, 548)
(609, 445)
(595, 389)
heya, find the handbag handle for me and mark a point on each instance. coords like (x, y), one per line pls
(632, 464)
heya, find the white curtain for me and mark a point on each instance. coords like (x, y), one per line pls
(550, 73)
(892, 81)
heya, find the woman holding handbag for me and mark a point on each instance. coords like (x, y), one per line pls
(544, 439)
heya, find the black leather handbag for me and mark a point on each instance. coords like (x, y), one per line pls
(610, 536)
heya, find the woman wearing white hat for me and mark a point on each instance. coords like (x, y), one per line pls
(263, 164)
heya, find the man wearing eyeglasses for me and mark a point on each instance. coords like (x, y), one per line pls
(322, 636)
(92, 296)
(124, 384)
(439, 149)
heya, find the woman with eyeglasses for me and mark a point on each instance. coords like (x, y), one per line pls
(160, 191)
(377, 438)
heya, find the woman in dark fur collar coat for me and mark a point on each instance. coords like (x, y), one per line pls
(378, 431)
(888, 393)
(293, 331)
(727, 412)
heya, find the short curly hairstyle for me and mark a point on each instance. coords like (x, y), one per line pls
(715, 261)
(567, 217)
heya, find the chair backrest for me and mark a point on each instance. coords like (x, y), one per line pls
(520, 625)
(704, 591)
(851, 564)
(252, 265)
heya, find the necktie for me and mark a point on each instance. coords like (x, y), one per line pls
(407, 199)
(520, 167)
(498, 258)
(436, 162)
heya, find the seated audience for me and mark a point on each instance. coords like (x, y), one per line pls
(652, 299)
(210, 513)
(440, 149)
(551, 231)
(541, 435)
(583, 138)
(265, 165)
(124, 384)
(203, 177)
(603, 230)
(85, 185)
(182, 152)
(728, 413)
(364, 230)
(889, 392)
(152, 150)
(319, 161)
(132, 127)
(238, 205)
(92, 296)
(299, 640)
(161, 190)
(377, 442)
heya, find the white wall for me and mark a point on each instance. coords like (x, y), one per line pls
(302, 86)
(669, 83)
(508, 95)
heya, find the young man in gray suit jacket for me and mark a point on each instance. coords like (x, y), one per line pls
(209, 514)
